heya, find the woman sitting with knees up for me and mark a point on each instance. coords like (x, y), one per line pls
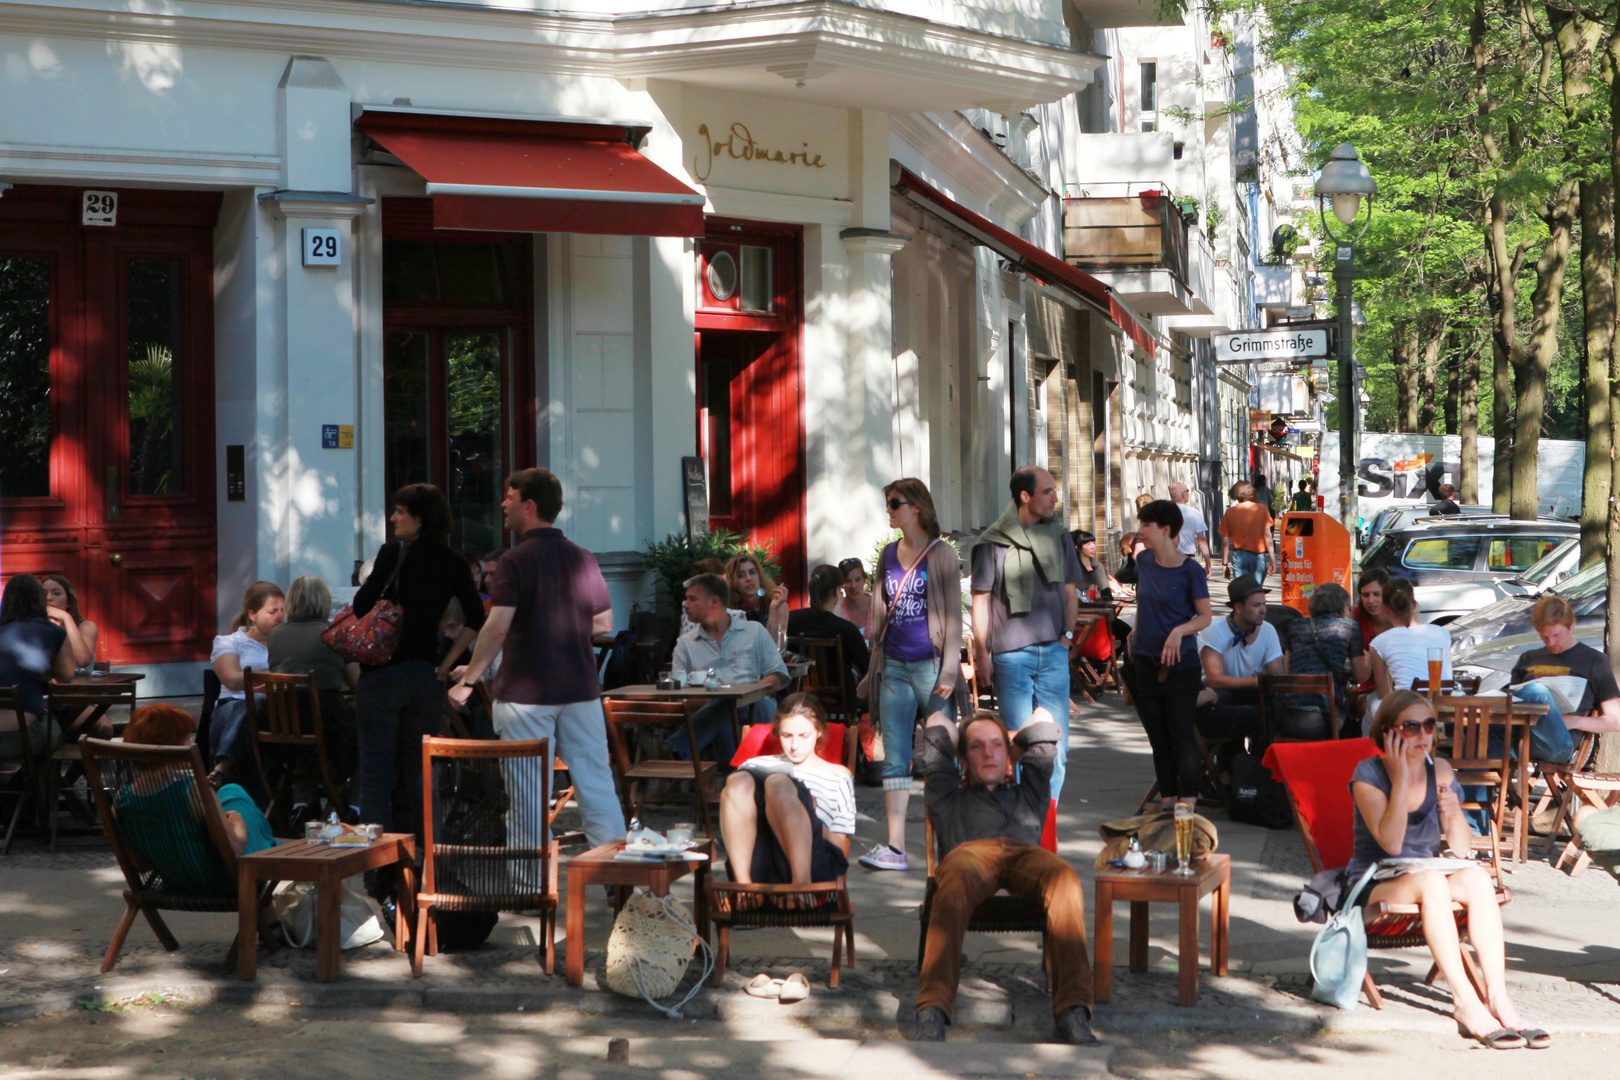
(264, 607)
(1406, 804)
(786, 818)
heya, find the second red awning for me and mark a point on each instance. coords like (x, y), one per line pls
(536, 176)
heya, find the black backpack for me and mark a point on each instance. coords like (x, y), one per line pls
(1254, 796)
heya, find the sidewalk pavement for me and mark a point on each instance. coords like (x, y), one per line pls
(59, 912)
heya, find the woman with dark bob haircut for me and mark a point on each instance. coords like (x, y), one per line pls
(1407, 802)
(399, 702)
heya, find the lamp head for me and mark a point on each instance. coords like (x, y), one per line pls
(1344, 182)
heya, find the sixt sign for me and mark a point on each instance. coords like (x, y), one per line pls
(1251, 346)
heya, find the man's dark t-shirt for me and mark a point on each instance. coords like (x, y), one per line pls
(557, 589)
(1579, 660)
(1444, 508)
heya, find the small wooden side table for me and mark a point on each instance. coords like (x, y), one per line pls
(599, 867)
(327, 866)
(1144, 887)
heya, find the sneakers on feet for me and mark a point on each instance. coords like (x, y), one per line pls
(930, 1024)
(884, 857)
(1074, 1028)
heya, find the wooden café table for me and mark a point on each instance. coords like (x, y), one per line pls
(739, 695)
(1213, 874)
(327, 866)
(599, 866)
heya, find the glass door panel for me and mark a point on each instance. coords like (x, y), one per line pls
(474, 364)
(407, 430)
(154, 291)
(25, 376)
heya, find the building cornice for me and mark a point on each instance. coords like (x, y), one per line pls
(953, 155)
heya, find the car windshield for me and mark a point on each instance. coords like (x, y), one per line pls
(1543, 569)
(1591, 583)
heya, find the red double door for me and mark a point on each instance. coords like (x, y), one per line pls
(751, 387)
(107, 412)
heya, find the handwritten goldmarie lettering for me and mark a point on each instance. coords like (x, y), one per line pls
(739, 145)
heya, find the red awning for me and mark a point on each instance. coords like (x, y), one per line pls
(537, 176)
(1023, 254)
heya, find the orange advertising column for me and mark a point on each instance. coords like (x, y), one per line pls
(1315, 550)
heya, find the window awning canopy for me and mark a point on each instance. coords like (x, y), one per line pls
(1021, 253)
(497, 174)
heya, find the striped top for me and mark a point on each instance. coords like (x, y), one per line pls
(834, 792)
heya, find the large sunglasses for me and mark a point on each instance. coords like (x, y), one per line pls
(1412, 727)
(895, 504)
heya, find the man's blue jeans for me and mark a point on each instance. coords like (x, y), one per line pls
(1031, 677)
(712, 726)
(1249, 562)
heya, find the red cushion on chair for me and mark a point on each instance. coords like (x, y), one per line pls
(1317, 775)
(1099, 644)
(758, 740)
(1049, 830)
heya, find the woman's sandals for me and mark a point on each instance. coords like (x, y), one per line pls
(793, 988)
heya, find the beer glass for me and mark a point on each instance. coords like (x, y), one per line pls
(1184, 834)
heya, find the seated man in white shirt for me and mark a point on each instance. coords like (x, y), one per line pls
(1235, 652)
(738, 651)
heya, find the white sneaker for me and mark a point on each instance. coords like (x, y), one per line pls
(884, 857)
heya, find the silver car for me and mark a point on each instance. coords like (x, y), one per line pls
(1488, 642)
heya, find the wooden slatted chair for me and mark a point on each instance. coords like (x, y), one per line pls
(1003, 913)
(1475, 766)
(1598, 790)
(486, 837)
(1317, 776)
(1271, 686)
(89, 702)
(300, 747)
(1561, 789)
(625, 716)
(825, 679)
(168, 834)
(22, 777)
(562, 787)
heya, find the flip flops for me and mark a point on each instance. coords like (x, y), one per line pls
(1536, 1038)
(793, 988)
(1500, 1039)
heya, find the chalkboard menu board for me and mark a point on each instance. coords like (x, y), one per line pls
(697, 497)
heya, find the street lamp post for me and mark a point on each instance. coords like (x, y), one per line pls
(1343, 184)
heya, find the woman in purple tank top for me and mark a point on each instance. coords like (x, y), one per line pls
(916, 648)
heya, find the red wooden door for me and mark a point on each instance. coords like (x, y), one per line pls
(750, 379)
(121, 414)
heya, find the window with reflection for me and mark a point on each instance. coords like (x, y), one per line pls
(25, 377)
(153, 311)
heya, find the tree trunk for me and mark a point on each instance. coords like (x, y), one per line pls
(1429, 382)
(1597, 295)
(1453, 381)
(1468, 421)
(1406, 377)
(1502, 289)
(1608, 744)
(1546, 307)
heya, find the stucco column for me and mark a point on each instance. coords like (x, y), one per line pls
(869, 295)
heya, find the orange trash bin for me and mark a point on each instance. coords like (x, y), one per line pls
(1315, 550)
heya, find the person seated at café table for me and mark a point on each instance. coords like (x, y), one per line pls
(856, 602)
(1598, 830)
(1407, 803)
(1560, 655)
(821, 620)
(739, 652)
(34, 649)
(787, 818)
(1326, 643)
(1235, 652)
(706, 566)
(264, 607)
(1401, 653)
(761, 599)
(988, 831)
(82, 633)
(296, 648)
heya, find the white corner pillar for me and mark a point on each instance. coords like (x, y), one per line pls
(871, 352)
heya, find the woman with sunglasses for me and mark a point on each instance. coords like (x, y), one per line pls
(916, 648)
(1406, 804)
(855, 600)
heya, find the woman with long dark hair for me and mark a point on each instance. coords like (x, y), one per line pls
(399, 702)
(758, 595)
(82, 633)
(916, 664)
(33, 649)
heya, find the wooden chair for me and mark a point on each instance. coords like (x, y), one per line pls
(1082, 671)
(168, 833)
(752, 906)
(1273, 685)
(1561, 789)
(89, 703)
(1317, 777)
(486, 836)
(626, 716)
(300, 754)
(1472, 761)
(825, 679)
(1003, 913)
(21, 778)
(1598, 790)
(562, 790)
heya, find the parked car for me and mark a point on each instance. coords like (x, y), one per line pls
(1454, 563)
(1559, 564)
(1401, 515)
(1487, 643)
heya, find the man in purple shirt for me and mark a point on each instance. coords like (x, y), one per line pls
(547, 599)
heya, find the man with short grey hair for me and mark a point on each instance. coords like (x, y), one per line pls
(738, 651)
(1193, 539)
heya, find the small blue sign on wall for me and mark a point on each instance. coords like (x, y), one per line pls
(329, 436)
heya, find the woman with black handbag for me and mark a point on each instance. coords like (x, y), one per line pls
(402, 698)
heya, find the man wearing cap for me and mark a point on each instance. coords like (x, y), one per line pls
(1235, 652)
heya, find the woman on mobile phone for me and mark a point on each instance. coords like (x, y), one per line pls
(1406, 803)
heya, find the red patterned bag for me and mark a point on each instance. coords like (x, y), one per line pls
(370, 639)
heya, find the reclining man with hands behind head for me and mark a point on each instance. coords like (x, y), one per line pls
(989, 829)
